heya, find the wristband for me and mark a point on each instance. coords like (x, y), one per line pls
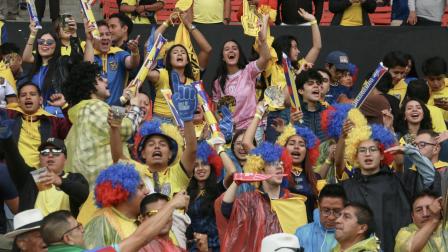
(313, 22)
(327, 161)
(220, 150)
(257, 115)
(29, 44)
(32, 36)
(192, 27)
(165, 23)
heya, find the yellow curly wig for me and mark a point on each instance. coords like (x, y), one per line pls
(356, 117)
(288, 132)
(354, 138)
(254, 164)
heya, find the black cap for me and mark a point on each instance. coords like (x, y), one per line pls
(55, 142)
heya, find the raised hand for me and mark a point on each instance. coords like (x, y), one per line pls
(180, 200)
(133, 44)
(305, 15)
(33, 29)
(57, 100)
(186, 102)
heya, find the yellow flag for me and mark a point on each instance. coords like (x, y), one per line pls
(291, 212)
(183, 37)
(250, 19)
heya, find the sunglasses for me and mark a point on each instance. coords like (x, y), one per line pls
(151, 213)
(55, 152)
(48, 42)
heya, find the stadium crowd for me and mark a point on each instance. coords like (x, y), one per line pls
(101, 151)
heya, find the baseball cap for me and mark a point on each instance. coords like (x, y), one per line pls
(54, 142)
(338, 59)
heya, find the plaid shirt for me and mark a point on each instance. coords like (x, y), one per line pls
(88, 142)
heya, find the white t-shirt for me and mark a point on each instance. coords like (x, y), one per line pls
(5, 91)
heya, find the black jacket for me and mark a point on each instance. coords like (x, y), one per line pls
(289, 8)
(389, 195)
(74, 184)
(339, 6)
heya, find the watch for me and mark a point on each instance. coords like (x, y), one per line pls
(192, 27)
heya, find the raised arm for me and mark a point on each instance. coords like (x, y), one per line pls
(227, 11)
(133, 61)
(89, 55)
(249, 135)
(265, 55)
(205, 47)
(27, 55)
(312, 55)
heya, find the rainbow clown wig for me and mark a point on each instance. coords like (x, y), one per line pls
(333, 118)
(376, 132)
(267, 153)
(311, 141)
(208, 156)
(166, 130)
(116, 184)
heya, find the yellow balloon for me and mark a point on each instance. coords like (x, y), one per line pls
(184, 5)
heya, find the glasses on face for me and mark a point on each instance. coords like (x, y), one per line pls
(422, 144)
(371, 149)
(47, 42)
(79, 226)
(151, 213)
(54, 152)
(313, 82)
(276, 164)
(327, 212)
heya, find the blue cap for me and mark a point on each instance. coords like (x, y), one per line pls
(338, 59)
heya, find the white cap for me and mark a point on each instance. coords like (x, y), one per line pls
(281, 242)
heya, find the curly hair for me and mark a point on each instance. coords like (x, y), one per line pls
(116, 184)
(425, 124)
(81, 82)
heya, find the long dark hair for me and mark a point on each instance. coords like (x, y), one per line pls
(309, 172)
(51, 63)
(188, 70)
(221, 72)
(281, 45)
(425, 124)
(211, 193)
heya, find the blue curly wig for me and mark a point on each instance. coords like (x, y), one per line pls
(308, 135)
(269, 152)
(118, 183)
(338, 116)
(152, 128)
(203, 152)
(383, 135)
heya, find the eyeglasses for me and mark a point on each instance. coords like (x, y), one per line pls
(55, 152)
(327, 212)
(422, 144)
(48, 42)
(313, 82)
(371, 149)
(276, 163)
(151, 213)
(79, 226)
